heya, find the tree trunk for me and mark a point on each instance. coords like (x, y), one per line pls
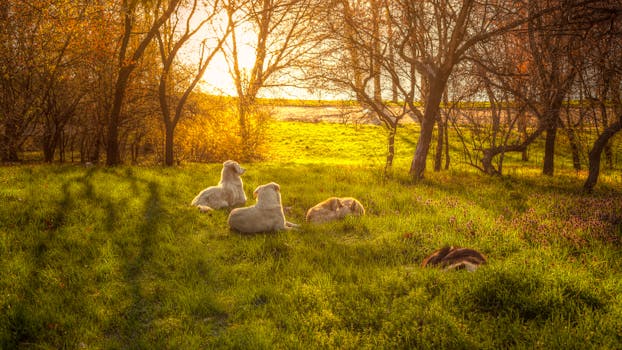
(490, 153)
(245, 141)
(391, 150)
(168, 146)
(447, 157)
(418, 164)
(552, 124)
(609, 155)
(522, 128)
(94, 157)
(549, 151)
(10, 144)
(49, 147)
(595, 155)
(438, 158)
(113, 154)
(435, 94)
(61, 146)
(605, 120)
(574, 147)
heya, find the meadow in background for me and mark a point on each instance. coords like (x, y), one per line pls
(95, 257)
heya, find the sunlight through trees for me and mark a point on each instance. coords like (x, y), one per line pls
(111, 81)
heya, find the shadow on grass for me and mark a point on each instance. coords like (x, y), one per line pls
(28, 319)
(69, 253)
(139, 314)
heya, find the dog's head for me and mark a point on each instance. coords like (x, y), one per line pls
(268, 195)
(353, 206)
(334, 203)
(231, 166)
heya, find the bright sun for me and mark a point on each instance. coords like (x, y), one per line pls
(217, 79)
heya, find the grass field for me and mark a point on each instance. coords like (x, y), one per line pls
(115, 258)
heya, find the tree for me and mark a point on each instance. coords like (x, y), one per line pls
(605, 77)
(172, 95)
(128, 57)
(552, 43)
(362, 69)
(281, 38)
(358, 55)
(435, 37)
(25, 39)
(39, 59)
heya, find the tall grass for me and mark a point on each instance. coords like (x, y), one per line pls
(116, 258)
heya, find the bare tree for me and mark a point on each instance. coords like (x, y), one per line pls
(172, 95)
(128, 57)
(282, 37)
(605, 77)
(367, 47)
(358, 56)
(436, 35)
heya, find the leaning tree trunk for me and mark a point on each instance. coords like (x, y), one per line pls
(435, 94)
(595, 154)
(491, 153)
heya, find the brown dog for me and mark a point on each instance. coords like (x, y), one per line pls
(334, 208)
(455, 258)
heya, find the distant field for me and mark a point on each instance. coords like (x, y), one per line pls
(100, 258)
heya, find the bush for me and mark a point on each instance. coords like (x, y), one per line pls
(214, 134)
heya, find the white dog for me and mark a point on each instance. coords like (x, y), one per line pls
(455, 258)
(265, 216)
(228, 193)
(334, 208)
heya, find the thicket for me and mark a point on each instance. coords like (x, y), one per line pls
(118, 82)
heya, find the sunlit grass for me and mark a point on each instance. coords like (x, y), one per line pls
(116, 258)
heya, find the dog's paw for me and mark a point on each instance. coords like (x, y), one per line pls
(204, 209)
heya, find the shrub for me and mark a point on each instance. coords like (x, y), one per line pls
(214, 135)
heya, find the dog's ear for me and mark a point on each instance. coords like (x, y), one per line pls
(240, 169)
(256, 191)
(276, 187)
(335, 203)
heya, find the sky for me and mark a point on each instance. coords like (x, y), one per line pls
(217, 79)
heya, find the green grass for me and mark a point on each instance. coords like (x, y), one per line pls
(102, 258)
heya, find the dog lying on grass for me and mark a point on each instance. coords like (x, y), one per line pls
(265, 216)
(334, 208)
(455, 258)
(228, 193)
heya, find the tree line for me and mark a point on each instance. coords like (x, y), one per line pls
(107, 79)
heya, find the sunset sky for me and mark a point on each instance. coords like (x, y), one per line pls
(217, 79)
